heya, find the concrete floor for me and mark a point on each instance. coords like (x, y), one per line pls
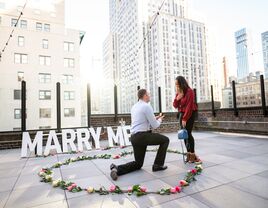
(235, 175)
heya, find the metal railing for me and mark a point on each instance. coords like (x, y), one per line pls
(115, 115)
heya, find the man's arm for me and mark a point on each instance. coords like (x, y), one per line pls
(151, 118)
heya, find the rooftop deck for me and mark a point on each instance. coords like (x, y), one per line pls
(235, 175)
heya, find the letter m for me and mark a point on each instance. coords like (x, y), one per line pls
(27, 142)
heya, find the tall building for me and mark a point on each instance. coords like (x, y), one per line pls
(177, 46)
(243, 53)
(109, 73)
(41, 52)
(125, 25)
(154, 48)
(265, 52)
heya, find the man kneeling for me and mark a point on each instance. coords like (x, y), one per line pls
(142, 120)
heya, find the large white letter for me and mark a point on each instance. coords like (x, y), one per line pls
(81, 140)
(112, 137)
(126, 135)
(26, 141)
(96, 136)
(52, 136)
(66, 140)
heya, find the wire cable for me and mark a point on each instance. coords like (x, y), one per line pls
(12, 31)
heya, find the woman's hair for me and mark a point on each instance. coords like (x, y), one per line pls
(182, 84)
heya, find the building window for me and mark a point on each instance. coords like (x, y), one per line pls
(39, 26)
(69, 112)
(44, 78)
(0, 20)
(68, 46)
(45, 43)
(44, 60)
(23, 24)
(20, 58)
(17, 113)
(13, 22)
(44, 127)
(17, 94)
(16, 129)
(68, 95)
(67, 79)
(47, 27)
(20, 76)
(21, 41)
(44, 95)
(69, 62)
(45, 112)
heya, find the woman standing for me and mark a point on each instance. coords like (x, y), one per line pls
(185, 103)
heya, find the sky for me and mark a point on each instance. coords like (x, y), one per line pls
(91, 16)
(221, 17)
(224, 17)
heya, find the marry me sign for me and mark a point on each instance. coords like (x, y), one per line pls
(76, 139)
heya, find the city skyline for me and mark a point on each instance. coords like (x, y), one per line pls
(172, 45)
(210, 12)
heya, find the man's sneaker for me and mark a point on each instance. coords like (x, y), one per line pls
(113, 174)
(112, 166)
(159, 168)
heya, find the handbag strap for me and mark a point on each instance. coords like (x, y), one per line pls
(183, 153)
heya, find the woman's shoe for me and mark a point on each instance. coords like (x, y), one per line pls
(187, 157)
(197, 160)
(192, 158)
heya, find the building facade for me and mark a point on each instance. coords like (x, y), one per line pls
(227, 97)
(155, 47)
(42, 52)
(109, 73)
(265, 53)
(243, 53)
(248, 92)
(177, 46)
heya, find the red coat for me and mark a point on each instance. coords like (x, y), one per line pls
(186, 104)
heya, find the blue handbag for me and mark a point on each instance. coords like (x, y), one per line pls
(182, 134)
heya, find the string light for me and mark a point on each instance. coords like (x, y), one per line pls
(146, 35)
(12, 31)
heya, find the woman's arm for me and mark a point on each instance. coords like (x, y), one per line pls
(177, 100)
(189, 105)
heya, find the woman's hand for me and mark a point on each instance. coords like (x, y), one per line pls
(179, 96)
(183, 123)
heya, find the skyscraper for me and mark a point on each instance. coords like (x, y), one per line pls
(177, 46)
(265, 52)
(243, 53)
(41, 52)
(156, 46)
(109, 73)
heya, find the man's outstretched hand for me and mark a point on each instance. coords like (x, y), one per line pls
(160, 117)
